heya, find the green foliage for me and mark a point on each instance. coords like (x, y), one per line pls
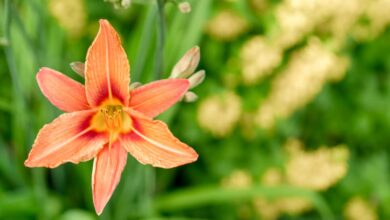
(353, 111)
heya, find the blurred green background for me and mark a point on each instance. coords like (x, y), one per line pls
(292, 121)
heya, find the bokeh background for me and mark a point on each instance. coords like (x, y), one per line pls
(292, 121)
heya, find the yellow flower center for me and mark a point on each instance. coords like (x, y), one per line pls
(111, 118)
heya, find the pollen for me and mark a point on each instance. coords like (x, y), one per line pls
(111, 118)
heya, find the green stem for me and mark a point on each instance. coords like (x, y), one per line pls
(144, 46)
(19, 116)
(200, 196)
(160, 40)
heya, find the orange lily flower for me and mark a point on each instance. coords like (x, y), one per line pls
(105, 120)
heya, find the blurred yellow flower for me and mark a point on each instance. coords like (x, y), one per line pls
(271, 208)
(302, 79)
(259, 5)
(359, 209)
(272, 177)
(298, 18)
(258, 58)
(266, 209)
(376, 13)
(70, 14)
(293, 25)
(226, 25)
(237, 179)
(316, 170)
(220, 113)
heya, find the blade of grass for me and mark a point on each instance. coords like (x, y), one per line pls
(144, 45)
(195, 197)
(21, 126)
(160, 40)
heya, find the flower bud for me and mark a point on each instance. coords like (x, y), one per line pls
(134, 85)
(190, 97)
(197, 78)
(78, 67)
(184, 7)
(126, 3)
(187, 64)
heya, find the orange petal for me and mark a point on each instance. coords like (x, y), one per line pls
(107, 170)
(64, 92)
(107, 73)
(67, 139)
(151, 142)
(156, 97)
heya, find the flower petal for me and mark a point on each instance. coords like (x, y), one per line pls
(64, 92)
(67, 139)
(107, 73)
(151, 142)
(156, 97)
(107, 170)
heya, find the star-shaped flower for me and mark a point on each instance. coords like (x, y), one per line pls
(105, 121)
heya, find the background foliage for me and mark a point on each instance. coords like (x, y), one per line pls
(292, 121)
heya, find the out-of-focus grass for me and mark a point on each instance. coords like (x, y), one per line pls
(351, 111)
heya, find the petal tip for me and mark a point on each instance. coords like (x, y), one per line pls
(98, 205)
(193, 156)
(196, 49)
(104, 23)
(27, 163)
(98, 208)
(40, 73)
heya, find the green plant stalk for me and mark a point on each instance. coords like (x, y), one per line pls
(129, 191)
(160, 40)
(18, 100)
(19, 113)
(142, 51)
(199, 196)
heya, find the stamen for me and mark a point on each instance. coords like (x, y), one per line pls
(112, 118)
(112, 115)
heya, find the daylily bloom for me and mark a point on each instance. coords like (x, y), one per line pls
(105, 121)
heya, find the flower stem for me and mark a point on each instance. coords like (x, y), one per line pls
(160, 40)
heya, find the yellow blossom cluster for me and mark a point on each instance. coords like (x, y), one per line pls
(237, 179)
(270, 209)
(297, 18)
(227, 25)
(70, 14)
(358, 208)
(316, 170)
(219, 113)
(258, 59)
(313, 170)
(302, 79)
(377, 14)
